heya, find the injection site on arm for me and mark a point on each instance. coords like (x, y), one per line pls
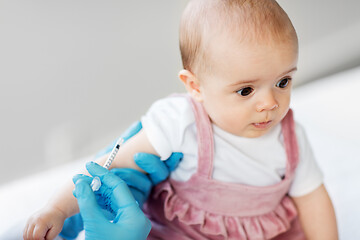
(96, 183)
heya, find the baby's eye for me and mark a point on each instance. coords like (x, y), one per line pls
(283, 83)
(245, 91)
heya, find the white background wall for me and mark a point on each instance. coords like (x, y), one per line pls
(74, 74)
(329, 35)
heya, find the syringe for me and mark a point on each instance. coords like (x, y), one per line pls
(96, 183)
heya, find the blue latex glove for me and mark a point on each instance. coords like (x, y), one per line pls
(129, 222)
(140, 184)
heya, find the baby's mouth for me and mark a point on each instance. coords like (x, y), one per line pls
(262, 125)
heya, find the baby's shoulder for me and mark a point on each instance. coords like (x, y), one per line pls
(173, 106)
(303, 142)
(300, 131)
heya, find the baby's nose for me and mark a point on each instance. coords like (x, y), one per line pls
(267, 102)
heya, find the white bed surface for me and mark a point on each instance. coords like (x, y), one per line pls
(328, 109)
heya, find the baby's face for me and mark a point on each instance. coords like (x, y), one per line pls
(248, 91)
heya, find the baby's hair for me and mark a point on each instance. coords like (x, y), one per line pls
(246, 20)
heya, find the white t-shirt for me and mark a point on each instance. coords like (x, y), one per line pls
(170, 127)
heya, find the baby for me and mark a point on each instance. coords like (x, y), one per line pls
(248, 171)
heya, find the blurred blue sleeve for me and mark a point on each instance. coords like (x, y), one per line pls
(130, 132)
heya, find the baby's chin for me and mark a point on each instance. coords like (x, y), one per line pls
(250, 132)
(253, 132)
(256, 134)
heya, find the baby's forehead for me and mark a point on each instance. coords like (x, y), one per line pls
(248, 22)
(205, 23)
(225, 49)
(225, 41)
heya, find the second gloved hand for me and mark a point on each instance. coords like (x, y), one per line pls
(141, 184)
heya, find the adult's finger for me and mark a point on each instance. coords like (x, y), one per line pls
(152, 164)
(173, 161)
(84, 177)
(113, 185)
(72, 226)
(139, 183)
(133, 178)
(89, 209)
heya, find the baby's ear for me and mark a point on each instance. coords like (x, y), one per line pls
(191, 84)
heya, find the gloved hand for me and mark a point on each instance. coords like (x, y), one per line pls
(129, 222)
(140, 184)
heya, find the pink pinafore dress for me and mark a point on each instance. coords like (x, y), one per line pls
(204, 208)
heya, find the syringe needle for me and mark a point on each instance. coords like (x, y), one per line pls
(96, 183)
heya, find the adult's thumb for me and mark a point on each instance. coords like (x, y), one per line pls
(89, 209)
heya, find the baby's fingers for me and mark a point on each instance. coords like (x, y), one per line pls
(39, 231)
(53, 232)
(34, 230)
(25, 230)
(28, 231)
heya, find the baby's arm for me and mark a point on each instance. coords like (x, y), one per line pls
(317, 215)
(124, 158)
(49, 220)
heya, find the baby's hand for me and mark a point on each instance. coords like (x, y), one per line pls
(44, 224)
